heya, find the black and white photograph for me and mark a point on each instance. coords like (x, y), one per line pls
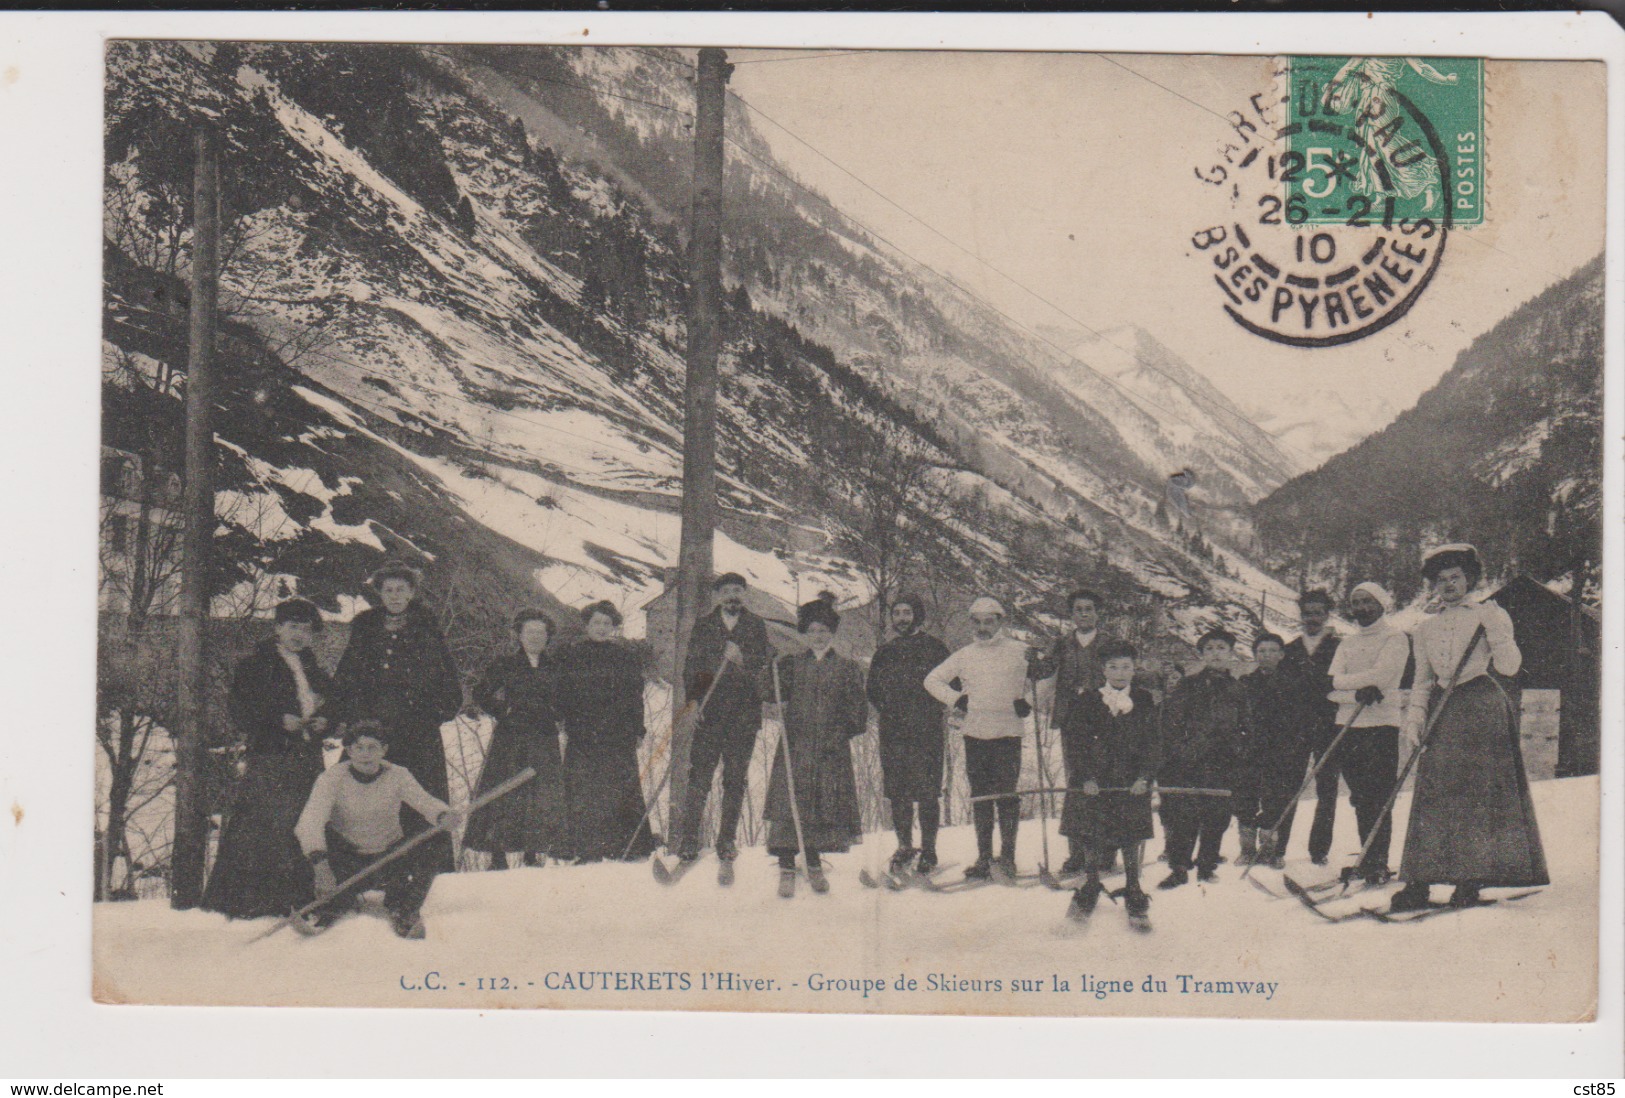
(859, 530)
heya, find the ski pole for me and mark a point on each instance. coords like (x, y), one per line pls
(1191, 791)
(1421, 743)
(402, 850)
(671, 762)
(1325, 757)
(789, 770)
(1043, 776)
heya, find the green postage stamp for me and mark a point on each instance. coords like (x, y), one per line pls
(1384, 139)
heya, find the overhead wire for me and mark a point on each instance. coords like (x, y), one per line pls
(1273, 464)
(808, 57)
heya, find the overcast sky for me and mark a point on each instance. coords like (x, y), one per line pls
(1075, 175)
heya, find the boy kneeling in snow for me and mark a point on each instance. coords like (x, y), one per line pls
(1112, 734)
(353, 818)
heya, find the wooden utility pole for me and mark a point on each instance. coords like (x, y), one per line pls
(191, 820)
(700, 413)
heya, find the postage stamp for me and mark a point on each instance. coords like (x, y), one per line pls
(1339, 207)
(1364, 136)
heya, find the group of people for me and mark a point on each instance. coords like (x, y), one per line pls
(296, 831)
(1214, 747)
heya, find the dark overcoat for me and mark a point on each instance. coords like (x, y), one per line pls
(824, 709)
(1314, 673)
(259, 869)
(736, 705)
(1206, 731)
(601, 703)
(524, 701)
(1077, 671)
(911, 730)
(1278, 754)
(1113, 752)
(405, 679)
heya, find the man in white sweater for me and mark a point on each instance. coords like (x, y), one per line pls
(1367, 668)
(985, 686)
(353, 817)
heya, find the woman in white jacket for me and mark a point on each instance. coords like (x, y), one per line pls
(1472, 820)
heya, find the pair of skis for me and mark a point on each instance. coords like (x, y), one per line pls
(1381, 915)
(997, 875)
(1306, 895)
(902, 880)
(1139, 922)
(899, 880)
(298, 918)
(671, 875)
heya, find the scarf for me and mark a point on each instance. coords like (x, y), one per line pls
(1118, 701)
(301, 684)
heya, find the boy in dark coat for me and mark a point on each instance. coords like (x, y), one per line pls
(1205, 727)
(730, 641)
(1112, 736)
(911, 733)
(1279, 755)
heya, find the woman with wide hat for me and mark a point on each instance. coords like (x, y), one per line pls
(397, 670)
(1472, 822)
(277, 697)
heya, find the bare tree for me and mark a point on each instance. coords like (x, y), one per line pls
(887, 522)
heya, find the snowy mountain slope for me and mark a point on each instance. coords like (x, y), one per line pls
(1505, 452)
(859, 294)
(1534, 959)
(1321, 423)
(455, 289)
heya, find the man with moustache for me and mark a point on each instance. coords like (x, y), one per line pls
(1309, 657)
(1367, 670)
(911, 734)
(730, 641)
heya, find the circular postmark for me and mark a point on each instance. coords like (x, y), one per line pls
(1337, 219)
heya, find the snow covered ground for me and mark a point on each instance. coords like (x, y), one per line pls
(600, 936)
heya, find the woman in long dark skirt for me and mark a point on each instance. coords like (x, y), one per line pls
(824, 707)
(520, 690)
(398, 671)
(1472, 821)
(276, 696)
(601, 702)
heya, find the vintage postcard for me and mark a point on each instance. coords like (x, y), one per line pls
(851, 530)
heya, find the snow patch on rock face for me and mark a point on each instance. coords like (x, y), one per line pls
(603, 547)
(259, 513)
(332, 407)
(1520, 453)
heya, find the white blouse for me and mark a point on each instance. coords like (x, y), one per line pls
(1441, 639)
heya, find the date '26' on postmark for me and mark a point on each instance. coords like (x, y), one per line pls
(1343, 189)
